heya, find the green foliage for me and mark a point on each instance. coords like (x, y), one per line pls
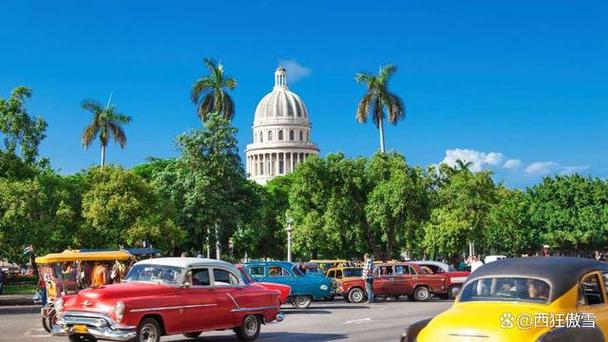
(570, 212)
(21, 133)
(209, 93)
(460, 213)
(106, 124)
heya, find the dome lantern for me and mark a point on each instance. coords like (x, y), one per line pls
(280, 77)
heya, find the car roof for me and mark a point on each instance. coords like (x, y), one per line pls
(270, 263)
(186, 262)
(443, 265)
(561, 272)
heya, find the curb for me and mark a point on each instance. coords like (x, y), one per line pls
(7, 300)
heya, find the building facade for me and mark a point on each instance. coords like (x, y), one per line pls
(281, 133)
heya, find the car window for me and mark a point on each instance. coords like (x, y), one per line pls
(506, 289)
(155, 273)
(200, 277)
(224, 278)
(385, 270)
(277, 271)
(353, 272)
(330, 274)
(256, 271)
(400, 269)
(411, 270)
(339, 274)
(295, 271)
(591, 290)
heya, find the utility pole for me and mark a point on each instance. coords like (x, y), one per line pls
(289, 229)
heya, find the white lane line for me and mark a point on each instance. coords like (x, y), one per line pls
(359, 321)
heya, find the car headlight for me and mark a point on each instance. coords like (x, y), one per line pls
(59, 307)
(119, 311)
(324, 287)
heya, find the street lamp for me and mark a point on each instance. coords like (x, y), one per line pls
(289, 229)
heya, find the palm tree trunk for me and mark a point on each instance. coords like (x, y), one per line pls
(381, 128)
(103, 155)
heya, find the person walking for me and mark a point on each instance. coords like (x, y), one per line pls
(1, 281)
(368, 276)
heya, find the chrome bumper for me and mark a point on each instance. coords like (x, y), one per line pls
(98, 325)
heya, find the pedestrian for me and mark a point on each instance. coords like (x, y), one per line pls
(368, 276)
(1, 281)
(475, 263)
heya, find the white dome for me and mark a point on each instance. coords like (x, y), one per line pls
(280, 102)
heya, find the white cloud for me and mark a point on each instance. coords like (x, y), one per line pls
(479, 160)
(295, 70)
(512, 164)
(541, 168)
(568, 170)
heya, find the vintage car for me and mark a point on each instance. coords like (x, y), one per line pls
(454, 278)
(168, 296)
(540, 299)
(284, 290)
(304, 288)
(340, 273)
(395, 279)
(325, 265)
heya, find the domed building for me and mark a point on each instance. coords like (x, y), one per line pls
(281, 133)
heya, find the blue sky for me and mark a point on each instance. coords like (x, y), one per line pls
(518, 87)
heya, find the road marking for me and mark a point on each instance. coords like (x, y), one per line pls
(359, 321)
(37, 333)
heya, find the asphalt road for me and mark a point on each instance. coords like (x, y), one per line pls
(324, 321)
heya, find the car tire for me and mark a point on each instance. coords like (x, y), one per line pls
(453, 292)
(250, 329)
(148, 330)
(193, 334)
(356, 295)
(422, 294)
(82, 338)
(302, 302)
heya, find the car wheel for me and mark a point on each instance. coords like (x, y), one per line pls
(148, 331)
(453, 291)
(193, 334)
(250, 329)
(356, 295)
(422, 294)
(302, 302)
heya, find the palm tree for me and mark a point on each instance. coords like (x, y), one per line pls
(209, 92)
(379, 99)
(461, 165)
(106, 124)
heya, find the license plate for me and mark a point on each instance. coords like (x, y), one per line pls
(80, 329)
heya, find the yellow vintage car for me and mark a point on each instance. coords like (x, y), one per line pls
(542, 299)
(343, 272)
(325, 265)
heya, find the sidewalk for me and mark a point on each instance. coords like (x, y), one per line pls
(6, 300)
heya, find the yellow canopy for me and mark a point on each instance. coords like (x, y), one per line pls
(75, 255)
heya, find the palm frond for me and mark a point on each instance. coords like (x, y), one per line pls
(396, 108)
(228, 107)
(205, 107)
(118, 134)
(230, 83)
(363, 108)
(199, 87)
(364, 78)
(377, 111)
(89, 134)
(92, 106)
(386, 72)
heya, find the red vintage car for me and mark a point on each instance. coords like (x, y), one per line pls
(393, 280)
(284, 290)
(454, 278)
(169, 296)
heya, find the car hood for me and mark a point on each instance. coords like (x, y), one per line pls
(485, 321)
(125, 290)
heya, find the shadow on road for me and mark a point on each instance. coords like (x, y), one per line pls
(274, 336)
(18, 310)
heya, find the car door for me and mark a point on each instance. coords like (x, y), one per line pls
(256, 272)
(227, 289)
(383, 281)
(405, 279)
(278, 274)
(199, 311)
(592, 300)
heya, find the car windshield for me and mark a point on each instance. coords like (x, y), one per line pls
(353, 272)
(159, 274)
(508, 289)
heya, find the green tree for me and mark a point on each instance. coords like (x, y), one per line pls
(571, 212)
(209, 93)
(106, 124)
(509, 230)
(22, 134)
(379, 99)
(397, 205)
(207, 185)
(120, 208)
(460, 212)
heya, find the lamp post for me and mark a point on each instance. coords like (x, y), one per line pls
(289, 229)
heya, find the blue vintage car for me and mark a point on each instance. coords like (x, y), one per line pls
(304, 288)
